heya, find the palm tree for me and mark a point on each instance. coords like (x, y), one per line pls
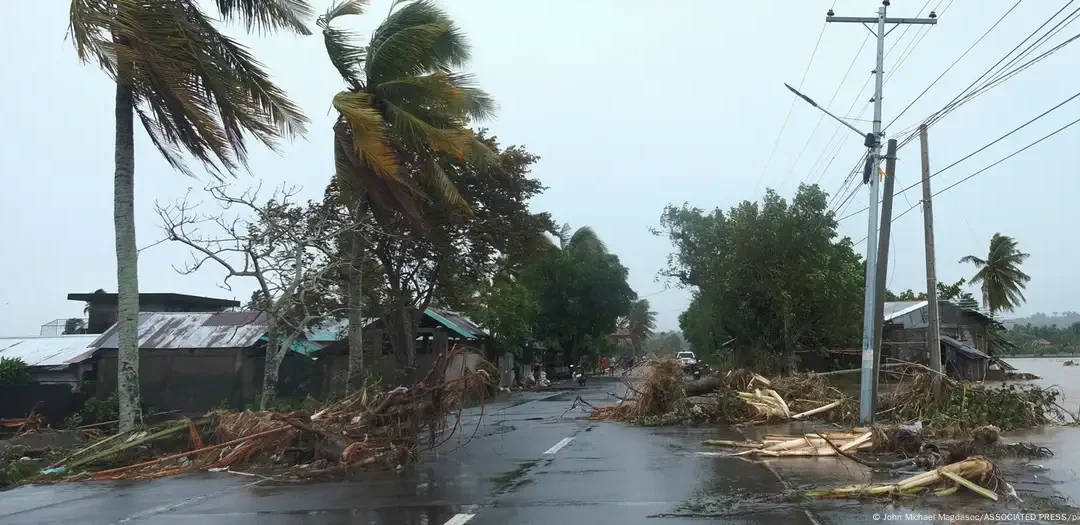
(640, 322)
(999, 274)
(405, 106)
(195, 90)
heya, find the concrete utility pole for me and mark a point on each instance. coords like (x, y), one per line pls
(873, 142)
(933, 329)
(883, 262)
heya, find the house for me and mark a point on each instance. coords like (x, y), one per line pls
(964, 336)
(102, 307)
(439, 331)
(195, 361)
(61, 359)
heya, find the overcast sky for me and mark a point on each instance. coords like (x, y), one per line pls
(631, 105)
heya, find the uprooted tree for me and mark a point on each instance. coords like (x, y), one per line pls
(282, 245)
(770, 274)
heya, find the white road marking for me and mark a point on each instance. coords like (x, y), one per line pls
(558, 446)
(460, 519)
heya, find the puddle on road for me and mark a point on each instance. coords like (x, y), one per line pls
(512, 480)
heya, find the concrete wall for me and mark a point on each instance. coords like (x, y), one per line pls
(193, 380)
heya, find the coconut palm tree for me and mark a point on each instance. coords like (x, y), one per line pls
(999, 274)
(194, 90)
(406, 105)
(640, 322)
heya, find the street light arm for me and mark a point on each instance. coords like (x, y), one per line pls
(812, 103)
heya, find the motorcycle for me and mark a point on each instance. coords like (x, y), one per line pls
(579, 375)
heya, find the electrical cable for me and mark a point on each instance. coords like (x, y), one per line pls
(953, 104)
(791, 108)
(822, 117)
(961, 57)
(984, 169)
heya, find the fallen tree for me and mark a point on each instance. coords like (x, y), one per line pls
(369, 429)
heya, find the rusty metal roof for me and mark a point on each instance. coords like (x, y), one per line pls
(47, 350)
(168, 330)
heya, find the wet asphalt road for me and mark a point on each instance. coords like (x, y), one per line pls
(526, 460)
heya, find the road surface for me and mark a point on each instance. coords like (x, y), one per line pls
(526, 460)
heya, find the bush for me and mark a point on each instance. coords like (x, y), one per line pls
(13, 371)
(100, 410)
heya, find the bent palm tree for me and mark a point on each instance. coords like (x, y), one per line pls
(999, 274)
(193, 89)
(405, 106)
(640, 322)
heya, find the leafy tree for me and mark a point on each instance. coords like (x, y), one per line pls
(74, 326)
(508, 310)
(946, 292)
(194, 89)
(582, 292)
(664, 343)
(640, 322)
(772, 275)
(13, 371)
(404, 104)
(999, 274)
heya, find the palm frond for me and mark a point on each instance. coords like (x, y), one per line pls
(195, 89)
(437, 179)
(268, 15)
(89, 26)
(346, 56)
(565, 233)
(979, 263)
(368, 132)
(416, 39)
(419, 135)
(586, 239)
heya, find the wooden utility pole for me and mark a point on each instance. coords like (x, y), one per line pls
(883, 265)
(933, 329)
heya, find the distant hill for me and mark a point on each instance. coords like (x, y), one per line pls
(1061, 319)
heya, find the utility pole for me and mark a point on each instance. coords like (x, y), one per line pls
(933, 329)
(873, 143)
(883, 262)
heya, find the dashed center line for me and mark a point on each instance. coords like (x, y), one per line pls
(558, 446)
(460, 519)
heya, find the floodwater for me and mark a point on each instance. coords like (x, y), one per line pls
(1062, 469)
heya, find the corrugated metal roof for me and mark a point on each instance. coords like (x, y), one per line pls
(456, 322)
(193, 330)
(47, 351)
(334, 330)
(964, 348)
(894, 309)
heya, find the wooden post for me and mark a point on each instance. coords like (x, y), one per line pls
(882, 266)
(933, 331)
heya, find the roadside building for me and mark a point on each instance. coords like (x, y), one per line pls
(195, 361)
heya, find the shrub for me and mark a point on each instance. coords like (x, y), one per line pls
(13, 371)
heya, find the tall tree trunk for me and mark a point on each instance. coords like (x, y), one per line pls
(271, 364)
(127, 260)
(403, 339)
(355, 303)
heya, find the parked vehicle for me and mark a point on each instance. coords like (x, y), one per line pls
(690, 364)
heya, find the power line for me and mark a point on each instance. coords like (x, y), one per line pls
(995, 141)
(828, 105)
(953, 104)
(915, 41)
(961, 57)
(995, 163)
(792, 106)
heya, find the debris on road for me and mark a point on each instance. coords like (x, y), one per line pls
(976, 474)
(369, 429)
(801, 446)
